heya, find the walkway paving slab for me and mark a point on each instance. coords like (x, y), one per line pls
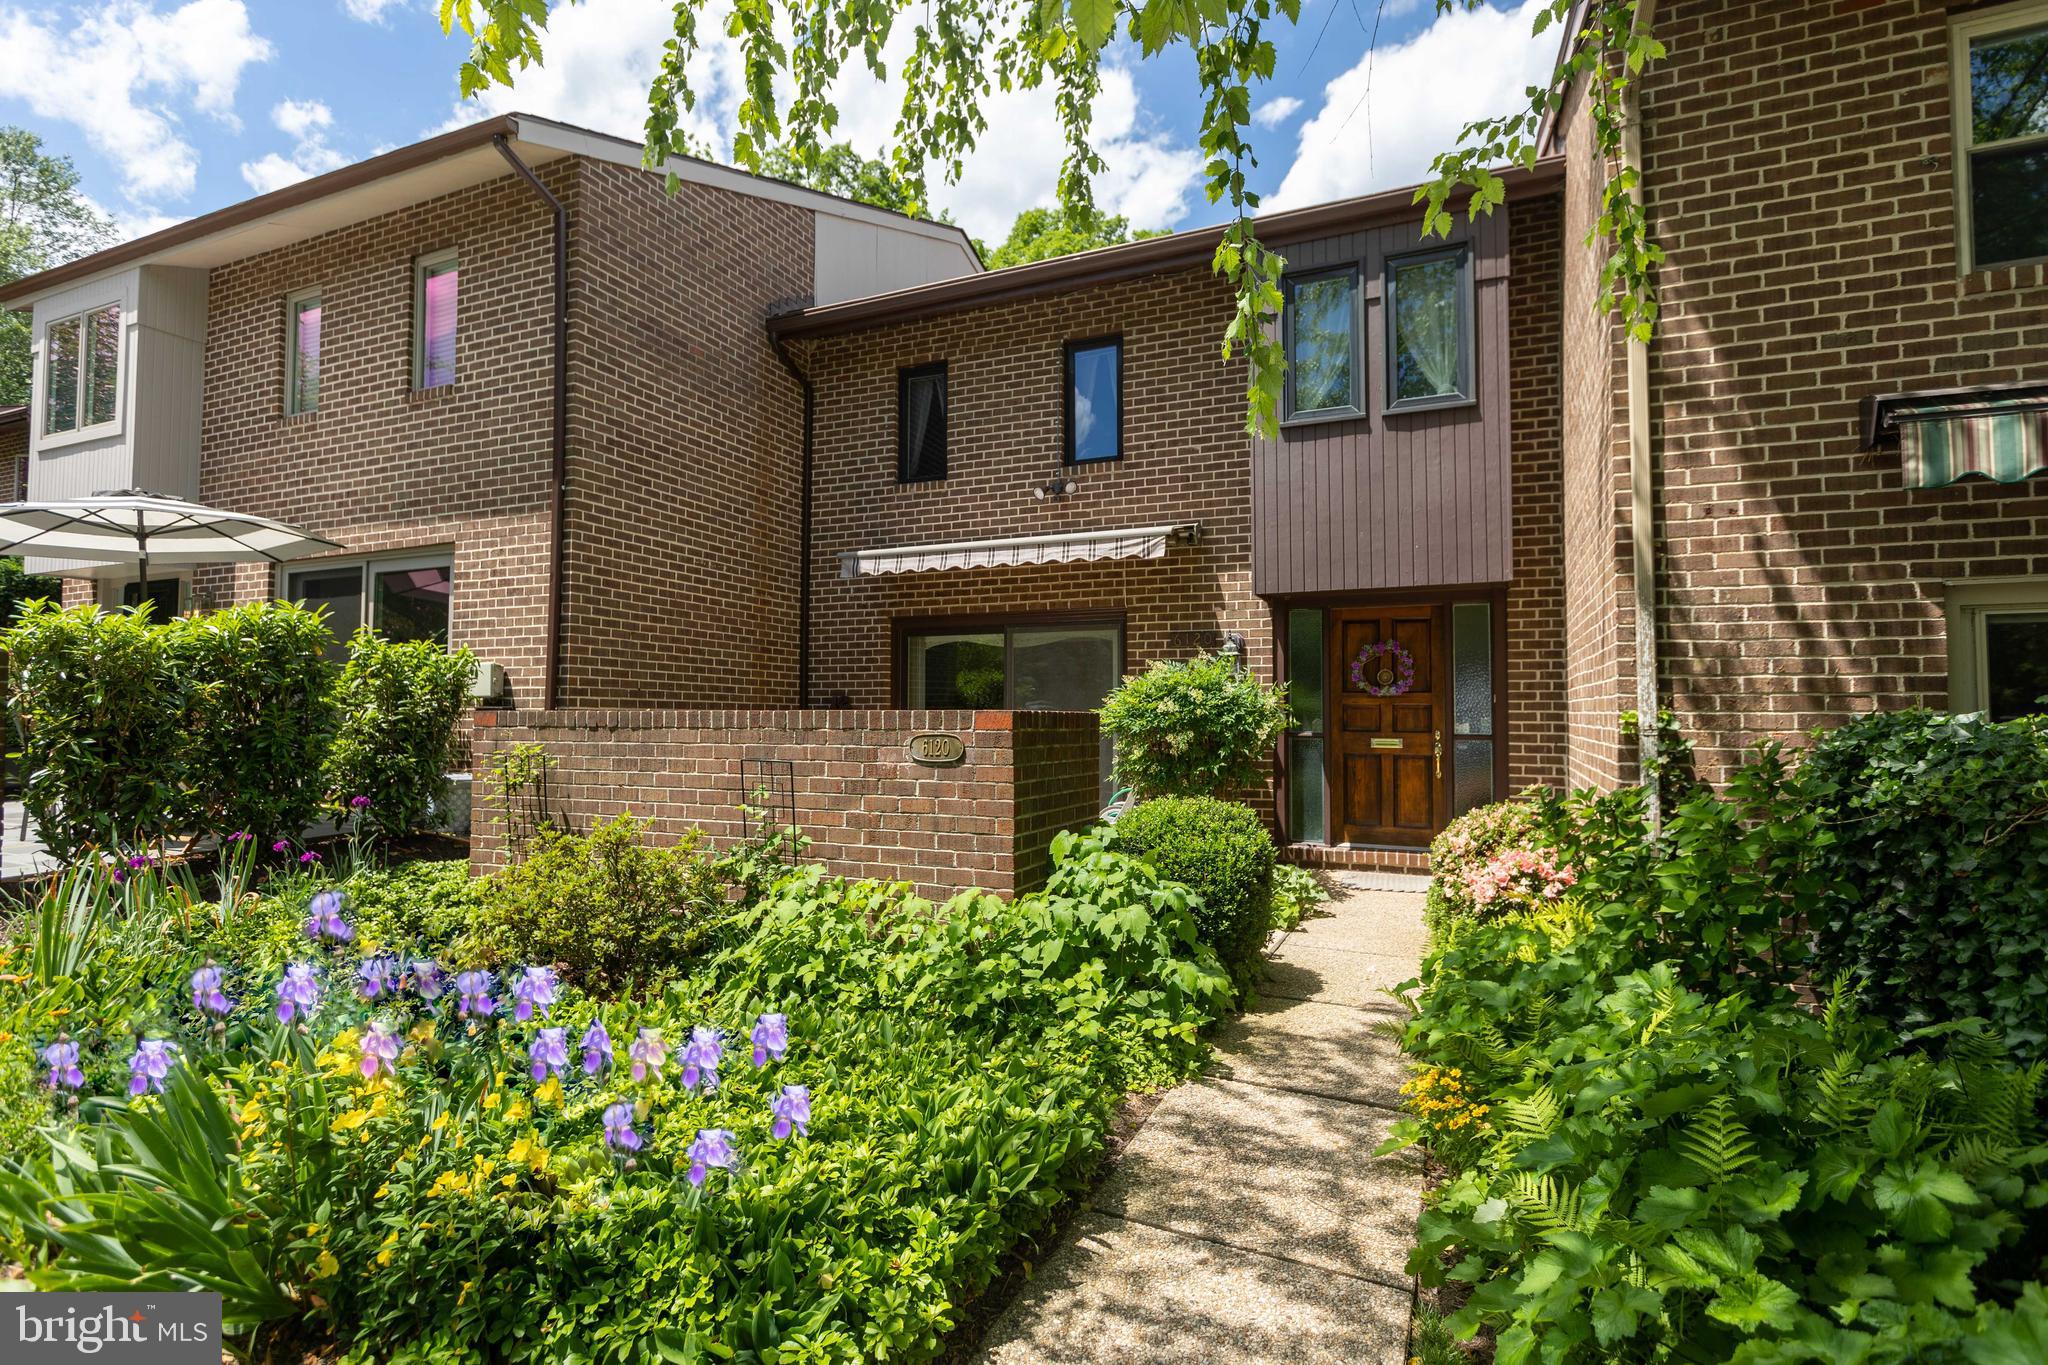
(1385, 922)
(1299, 970)
(1119, 1291)
(1305, 1045)
(1290, 1176)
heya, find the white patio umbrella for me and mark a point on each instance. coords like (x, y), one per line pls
(133, 525)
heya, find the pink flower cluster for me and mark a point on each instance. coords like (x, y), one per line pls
(1522, 876)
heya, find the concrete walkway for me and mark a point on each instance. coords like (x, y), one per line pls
(1248, 1220)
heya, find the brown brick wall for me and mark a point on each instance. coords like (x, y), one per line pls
(686, 446)
(1799, 173)
(14, 462)
(869, 811)
(1535, 676)
(1185, 459)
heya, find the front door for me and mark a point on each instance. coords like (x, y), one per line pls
(1387, 729)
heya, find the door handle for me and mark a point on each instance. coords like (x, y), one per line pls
(1437, 754)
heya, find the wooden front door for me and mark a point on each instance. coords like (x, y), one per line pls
(1387, 779)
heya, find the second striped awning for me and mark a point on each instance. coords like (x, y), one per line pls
(2001, 439)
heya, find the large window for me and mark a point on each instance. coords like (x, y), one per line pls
(1998, 648)
(405, 599)
(81, 370)
(1429, 332)
(1095, 400)
(921, 423)
(302, 352)
(436, 282)
(1320, 327)
(2000, 62)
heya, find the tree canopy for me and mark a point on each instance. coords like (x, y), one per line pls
(44, 221)
(962, 52)
(1039, 234)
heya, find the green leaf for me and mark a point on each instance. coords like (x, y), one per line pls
(1751, 1302)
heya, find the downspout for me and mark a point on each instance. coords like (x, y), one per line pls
(1642, 526)
(558, 478)
(803, 571)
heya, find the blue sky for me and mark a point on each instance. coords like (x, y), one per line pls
(205, 102)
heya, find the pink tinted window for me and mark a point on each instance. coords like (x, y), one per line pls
(438, 286)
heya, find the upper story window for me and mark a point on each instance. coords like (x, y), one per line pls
(2000, 70)
(302, 352)
(1429, 329)
(81, 370)
(1095, 400)
(436, 280)
(921, 423)
(1320, 326)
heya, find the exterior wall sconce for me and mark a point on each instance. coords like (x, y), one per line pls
(1052, 490)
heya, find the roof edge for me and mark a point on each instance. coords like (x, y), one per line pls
(1103, 265)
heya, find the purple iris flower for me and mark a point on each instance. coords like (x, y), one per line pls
(324, 921)
(771, 1038)
(281, 846)
(618, 1128)
(380, 1048)
(713, 1147)
(359, 802)
(648, 1053)
(597, 1048)
(700, 1059)
(377, 977)
(150, 1067)
(298, 995)
(792, 1108)
(549, 1053)
(533, 990)
(137, 862)
(207, 996)
(308, 858)
(62, 1059)
(474, 990)
(426, 979)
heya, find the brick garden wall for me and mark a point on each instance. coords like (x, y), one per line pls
(1799, 174)
(869, 811)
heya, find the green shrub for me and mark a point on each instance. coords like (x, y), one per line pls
(1938, 857)
(1199, 727)
(18, 588)
(605, 907)
(103, 716)
(400, 704)
(1466, 845)
(1221, 851)
(262, 714)
(1296, 891)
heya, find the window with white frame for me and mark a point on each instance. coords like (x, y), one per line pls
(1998, 648)
(405, 598)
(82, 370)
(1999, 69)
(436, 280)
(302, 352)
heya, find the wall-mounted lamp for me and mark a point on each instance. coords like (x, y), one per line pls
(1055, 489)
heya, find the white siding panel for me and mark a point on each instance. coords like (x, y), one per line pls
(855, 258)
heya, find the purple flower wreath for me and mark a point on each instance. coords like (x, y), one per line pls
(1401, 662)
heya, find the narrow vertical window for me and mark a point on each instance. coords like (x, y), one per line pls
(1429, 335)
(1320, 327)
(437, 280)
(101, 382)
(60, 376)
(921, 424)
(1095, 400)
(2001, 96)
(302, 353)
(1307, 822)
(1472, 683)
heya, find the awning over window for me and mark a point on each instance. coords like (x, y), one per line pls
(1135, 542)
(2004, 439)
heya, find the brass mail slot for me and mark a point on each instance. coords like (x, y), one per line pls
(1386, 744)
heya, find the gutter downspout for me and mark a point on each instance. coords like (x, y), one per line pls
(1642, 526)
(803, 572)
(558, 478)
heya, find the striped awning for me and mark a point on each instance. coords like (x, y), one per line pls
(2003, 439)
(1133, 542)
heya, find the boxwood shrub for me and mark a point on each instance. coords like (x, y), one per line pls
(1221, 851)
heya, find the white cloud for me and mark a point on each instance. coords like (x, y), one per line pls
(117, 69)
(1383, 121)
(306, 123)
(1276, 111)
(370, 11)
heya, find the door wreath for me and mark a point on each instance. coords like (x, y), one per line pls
(1383, 669)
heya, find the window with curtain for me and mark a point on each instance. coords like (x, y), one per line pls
(405, 599)
(437, 280)
(2001, 95)
(1429, 338)
(1321, 339)
(1095, 380)
(921, 424)
(82, 370)
(302, 353)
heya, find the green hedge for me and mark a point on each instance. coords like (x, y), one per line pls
(1220, 850)
(401, 702)
(1194, 727)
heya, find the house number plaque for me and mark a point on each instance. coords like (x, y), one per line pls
(936, 751)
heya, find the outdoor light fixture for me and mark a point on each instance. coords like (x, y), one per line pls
(1056, 489)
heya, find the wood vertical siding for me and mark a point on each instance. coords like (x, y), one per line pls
(1417, 499)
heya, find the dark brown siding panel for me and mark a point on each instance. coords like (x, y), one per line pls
(1415, 499)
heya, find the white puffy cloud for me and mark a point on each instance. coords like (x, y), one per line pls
(1382, 121)
(370, 11)
(1276, 111)
(306, 123)
(116, 69)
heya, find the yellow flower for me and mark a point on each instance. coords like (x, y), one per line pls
(449, 1182)
(549, 1092)
(354, 1119)
(494, 1099)
(440, 1122)
(382, 1190)
(516, 1110)
(385, 1252)
(325, 1267)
